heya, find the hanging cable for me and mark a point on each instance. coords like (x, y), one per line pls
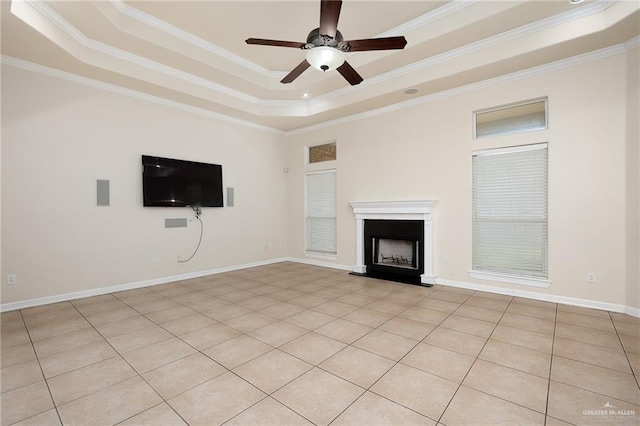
(198, 212)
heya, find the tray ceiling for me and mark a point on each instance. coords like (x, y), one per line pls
(193, 54)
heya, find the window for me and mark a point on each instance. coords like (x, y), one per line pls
(510, 213)
(319, 153)
(320, 213)
(514, 118)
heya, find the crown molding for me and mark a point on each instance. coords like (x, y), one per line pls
(149, 20)
(152, 21)
(96, 84)
(85, 49)
(519, 75)
(428, 18)
(543, 24)
(531, 72)
(633, 43)
(98, 53)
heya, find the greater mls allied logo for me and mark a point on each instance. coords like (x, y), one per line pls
(609, 412)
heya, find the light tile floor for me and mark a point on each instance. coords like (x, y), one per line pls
(297, 344)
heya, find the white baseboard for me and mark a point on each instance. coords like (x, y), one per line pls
(634, 312)
(593, 304)
(5, 307)
(319, 263)
(584, 303)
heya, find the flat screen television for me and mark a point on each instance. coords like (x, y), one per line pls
(169, 182)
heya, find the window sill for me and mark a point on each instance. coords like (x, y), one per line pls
(319, 255)
(511, 279)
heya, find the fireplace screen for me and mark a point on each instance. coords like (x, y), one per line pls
(396, 253)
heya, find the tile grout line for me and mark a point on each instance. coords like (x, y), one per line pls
(473, 363)
(353, 291)
(553, 343)
(75, 308)
(486, 393)
(125, 360)
(351, 345)
(368, 389)
(269, 395)
(347, 346)
(44, 378)
(635, 376)
(128, 363)
(213, 360)
(398, 361)
(202, 353)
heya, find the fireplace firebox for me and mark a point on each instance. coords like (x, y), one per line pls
(392, 249)
(398, 253)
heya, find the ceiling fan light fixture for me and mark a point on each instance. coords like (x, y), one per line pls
(325, 58)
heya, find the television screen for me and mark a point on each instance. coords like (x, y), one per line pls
(168, 182)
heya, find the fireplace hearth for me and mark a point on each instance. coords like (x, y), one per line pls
(394, 241)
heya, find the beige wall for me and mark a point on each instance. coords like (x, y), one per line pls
(58, 137)
(424, 152)
(633, 177)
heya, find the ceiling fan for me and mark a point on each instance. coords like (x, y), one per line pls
(325, 46)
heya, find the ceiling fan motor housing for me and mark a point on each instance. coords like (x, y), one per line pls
(315, 39)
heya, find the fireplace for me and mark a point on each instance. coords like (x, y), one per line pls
(394, 241)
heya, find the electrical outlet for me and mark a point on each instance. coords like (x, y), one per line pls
(11, 279)
(591, 277)
(154, 261)
(446, 262)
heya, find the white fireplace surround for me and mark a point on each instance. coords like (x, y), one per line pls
(396, 210)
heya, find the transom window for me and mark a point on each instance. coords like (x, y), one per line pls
(320, 153)
(515, 118)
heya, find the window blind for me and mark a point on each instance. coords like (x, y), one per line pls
(321, 212)
(510, 211)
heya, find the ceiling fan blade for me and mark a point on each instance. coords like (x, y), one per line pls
(349, 74)
(329, 14)
(280, 43)
(384, 43)
(296, 72)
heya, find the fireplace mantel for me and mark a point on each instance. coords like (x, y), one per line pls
(396, 210)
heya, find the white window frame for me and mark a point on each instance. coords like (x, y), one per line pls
(501, 276)
(515, 130)
(318, 253)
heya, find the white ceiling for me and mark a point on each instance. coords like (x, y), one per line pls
(193, 52)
